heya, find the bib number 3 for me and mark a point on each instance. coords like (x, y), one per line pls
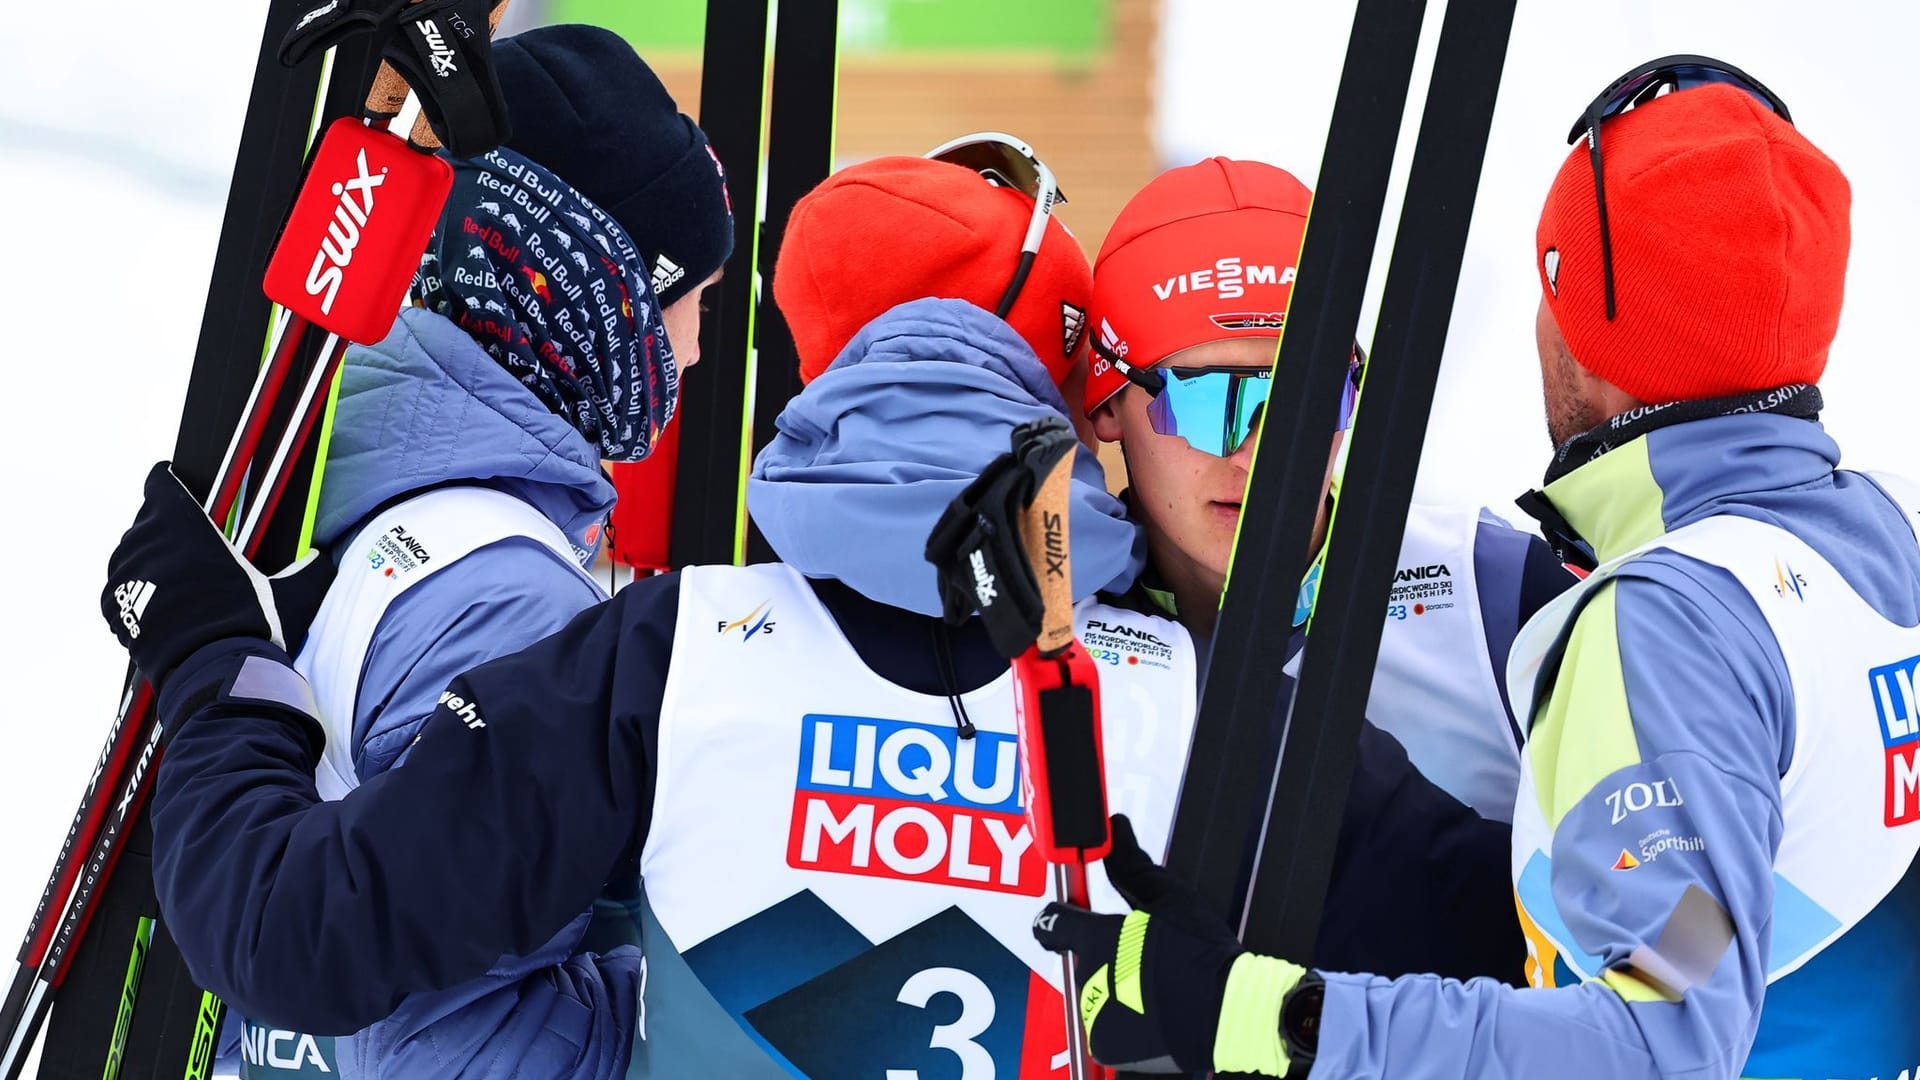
(976, 1015)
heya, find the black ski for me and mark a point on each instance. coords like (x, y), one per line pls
(266, 173)
(1224, 791)
(799, 156)
(713, 395)
(1295, 858)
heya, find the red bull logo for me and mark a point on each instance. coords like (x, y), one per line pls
(537, 281)
(913, 802)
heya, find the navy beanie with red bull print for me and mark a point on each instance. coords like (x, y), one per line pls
(553, 288)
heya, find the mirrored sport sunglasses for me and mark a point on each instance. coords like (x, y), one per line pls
(1008, 162)
(1215, 409)
(1637, 87)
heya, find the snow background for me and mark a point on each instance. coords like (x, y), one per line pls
(117, 134)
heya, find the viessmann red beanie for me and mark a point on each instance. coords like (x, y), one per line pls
(1203, 253)
(882, 232)
(1730, 236)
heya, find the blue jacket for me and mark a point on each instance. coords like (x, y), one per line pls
(1665, 681)
(427, 408)
(424, 409)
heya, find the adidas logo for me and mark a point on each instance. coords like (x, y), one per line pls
(1073, 324)
(665, 273)
(132, 598)
(1110, 341)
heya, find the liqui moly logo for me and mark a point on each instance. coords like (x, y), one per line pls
(350, 215)
(1899, 713)
(912, 802)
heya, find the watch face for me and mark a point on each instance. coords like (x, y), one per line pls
(1300, 1019)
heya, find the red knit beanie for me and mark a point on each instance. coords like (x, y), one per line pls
(1203, 253)
(883, 232)
(1730, 238)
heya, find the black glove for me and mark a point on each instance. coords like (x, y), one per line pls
(1161, 976)
(175, 584)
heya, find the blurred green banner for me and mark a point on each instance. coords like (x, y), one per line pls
(1063, 29)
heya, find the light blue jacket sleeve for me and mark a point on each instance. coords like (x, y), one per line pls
(497, 600)
(555, 1012)
(1668, 681)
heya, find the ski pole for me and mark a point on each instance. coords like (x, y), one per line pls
(1002, 549)
(1057, 705)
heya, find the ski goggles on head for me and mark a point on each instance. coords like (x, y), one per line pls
(1217, 409)
(1637, 87)
(1007, 162)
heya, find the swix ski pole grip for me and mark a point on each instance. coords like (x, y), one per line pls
(1056, 692)
(354, 238)
(388, 94)
(1043, 530)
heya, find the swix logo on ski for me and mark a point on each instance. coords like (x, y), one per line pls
(1899, 713)
(440, 54)
(1228, 278)
(912, 802)
(350, 215)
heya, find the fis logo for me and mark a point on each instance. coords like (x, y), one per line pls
(912, 802)
(757, 621)
(439, 53)
(133, 598)
(350, 215)
(1899, 713)
(1786, 582)
(1228, 278)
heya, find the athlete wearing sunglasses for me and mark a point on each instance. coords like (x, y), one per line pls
(1190, 292)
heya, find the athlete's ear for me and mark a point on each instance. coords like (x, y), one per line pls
(1106, 417)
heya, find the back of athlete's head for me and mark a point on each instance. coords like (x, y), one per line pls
(880, 233)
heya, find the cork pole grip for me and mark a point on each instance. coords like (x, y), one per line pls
(1043, 531)
(389, 92)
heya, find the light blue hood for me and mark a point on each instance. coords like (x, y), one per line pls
(869, 455)
(428, 407)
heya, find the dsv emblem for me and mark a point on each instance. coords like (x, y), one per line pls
(343, 233)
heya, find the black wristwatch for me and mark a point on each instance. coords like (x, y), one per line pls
(1300, 1023)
